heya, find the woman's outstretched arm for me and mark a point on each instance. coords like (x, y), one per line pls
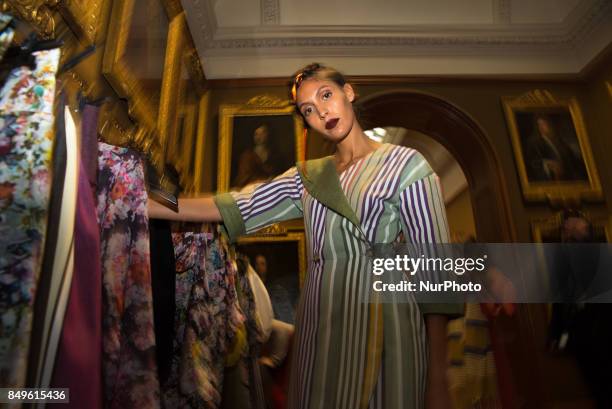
(196, 209)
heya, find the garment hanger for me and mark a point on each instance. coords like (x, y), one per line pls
(163, 188)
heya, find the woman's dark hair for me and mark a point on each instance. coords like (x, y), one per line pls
(317, 71)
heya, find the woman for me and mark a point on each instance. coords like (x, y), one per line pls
(349, 353)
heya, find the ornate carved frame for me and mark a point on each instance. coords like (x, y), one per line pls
(181, 53)
(86, 18)
(125, 82)
(78, 27)
(169, 98)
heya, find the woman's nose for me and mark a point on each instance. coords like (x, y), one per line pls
(322, 112)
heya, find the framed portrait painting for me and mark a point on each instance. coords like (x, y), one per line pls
(280, 262)
(258, 140)
(551, 148)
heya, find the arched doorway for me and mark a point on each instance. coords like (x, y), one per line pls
(465, 140)
(455, 193)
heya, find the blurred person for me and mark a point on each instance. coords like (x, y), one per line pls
(281, 287)
(581, 329)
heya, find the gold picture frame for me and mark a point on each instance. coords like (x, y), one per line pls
(271, 240)
(183, 118)
(547, 230)
(135, 55)
(237, 124)
(195, 187)
(551, 148)
(87, 18)
(170, 99)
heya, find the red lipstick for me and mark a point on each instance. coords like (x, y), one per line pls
(331, 124)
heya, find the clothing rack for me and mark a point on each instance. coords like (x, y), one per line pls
(82, 78)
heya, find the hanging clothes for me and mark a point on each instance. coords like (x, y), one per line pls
(209, 322)
(89, 144)
(58, 259)
(130, 372)
(26, 138)
(242, 384)
(79, 360)
(163, 274)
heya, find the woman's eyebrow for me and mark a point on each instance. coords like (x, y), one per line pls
(308, 102)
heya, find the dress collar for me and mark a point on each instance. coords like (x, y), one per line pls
(321, 180)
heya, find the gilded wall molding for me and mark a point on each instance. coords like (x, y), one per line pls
(166, 119)
(39, 13)
(194, 67)
(267, 101)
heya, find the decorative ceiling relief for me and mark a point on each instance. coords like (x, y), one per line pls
(483, 37)
(270, 12)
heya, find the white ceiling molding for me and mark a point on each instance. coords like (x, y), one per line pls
(272, 49)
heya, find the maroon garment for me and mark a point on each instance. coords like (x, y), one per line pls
(78, 364)
(89, 143)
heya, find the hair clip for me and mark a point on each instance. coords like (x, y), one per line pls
(296, 83)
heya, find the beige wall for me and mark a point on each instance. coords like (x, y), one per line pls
(480, 99)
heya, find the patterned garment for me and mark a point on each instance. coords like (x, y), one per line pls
(344, 356)
(208, 317)
(26, 139)
(129, 368)
(254, 334)
(6, 33)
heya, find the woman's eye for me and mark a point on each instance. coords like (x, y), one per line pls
(327, 95)
(307, 111)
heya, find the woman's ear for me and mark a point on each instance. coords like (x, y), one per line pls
(349, 91)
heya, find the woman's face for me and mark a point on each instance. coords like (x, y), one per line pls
(327, 107)
(544, 127)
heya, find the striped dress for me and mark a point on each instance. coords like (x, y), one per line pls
(351, 351)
